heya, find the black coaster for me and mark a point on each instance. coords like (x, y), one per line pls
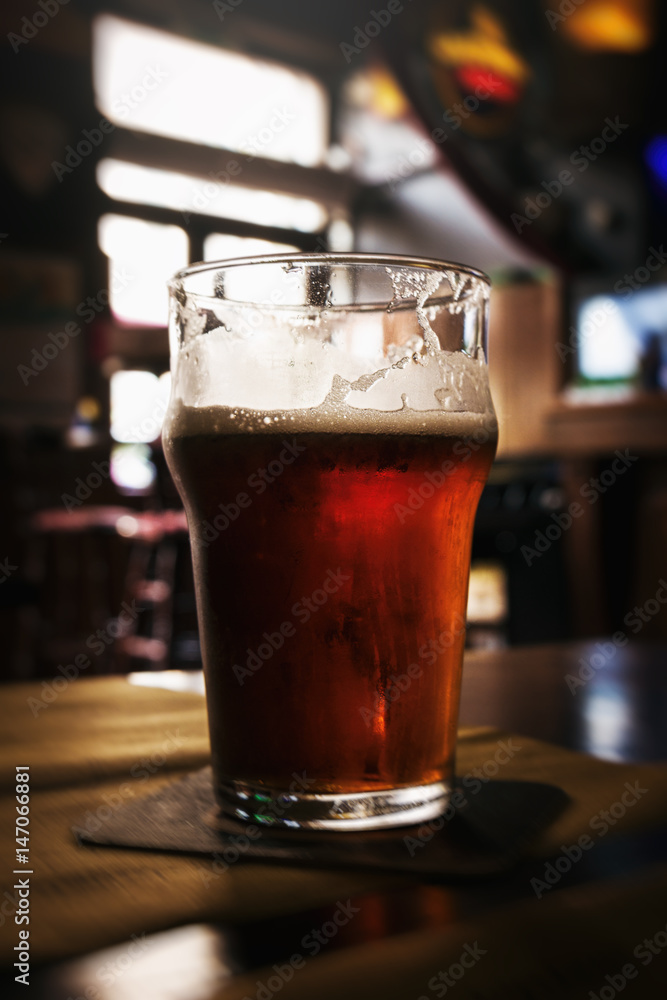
(487, 835)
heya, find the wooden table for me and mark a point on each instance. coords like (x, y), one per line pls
(599, 697)
(618, 713)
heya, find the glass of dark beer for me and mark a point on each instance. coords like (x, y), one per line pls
(330, 431)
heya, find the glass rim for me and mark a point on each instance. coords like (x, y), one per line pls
(336, 258)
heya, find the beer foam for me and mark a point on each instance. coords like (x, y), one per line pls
(331, 371)
(191, 421)
(431, 396)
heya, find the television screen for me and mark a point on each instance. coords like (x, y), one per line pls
(622, 337)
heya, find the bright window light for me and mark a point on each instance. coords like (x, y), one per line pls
(487, 594)
(222, 246)
(142, 258)
(152, 81)
(607, 347)
(606, 721)
(139, 402)
(340, 236)
(131, 468)
(165, 188)
(240, 283)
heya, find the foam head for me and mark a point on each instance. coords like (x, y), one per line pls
(329, 342)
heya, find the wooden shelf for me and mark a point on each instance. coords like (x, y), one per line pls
(638, 422)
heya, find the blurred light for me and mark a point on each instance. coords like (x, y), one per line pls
(183, 193)
(375, 89)
(138, 404)
(606, 720)
(80, 433)
(241, 284)
(599, 214)
(485, 45)
(153, 81)
(656, 157)
(606, 346)
(88, 408)
(189, 963)
(172, 680)
(142, 257)
(487, 595)
(223, 246)
(388, 98)
(340, 236)
(553, 498)
(611, 25)
(338, 158)
(477, 78)
(133, 472)
(126, 526)
(80, 436)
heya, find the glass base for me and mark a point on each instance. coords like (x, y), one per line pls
(336, 811)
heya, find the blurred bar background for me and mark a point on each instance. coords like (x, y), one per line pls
(525, 138)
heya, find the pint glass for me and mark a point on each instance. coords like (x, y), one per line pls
(330, 430)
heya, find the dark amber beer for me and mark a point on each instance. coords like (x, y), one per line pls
(331, 551)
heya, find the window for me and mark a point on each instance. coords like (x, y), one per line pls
(175, 101)
(156, 82)
(188, 195)
(138, 404)
(221, 246)
(142, 257)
